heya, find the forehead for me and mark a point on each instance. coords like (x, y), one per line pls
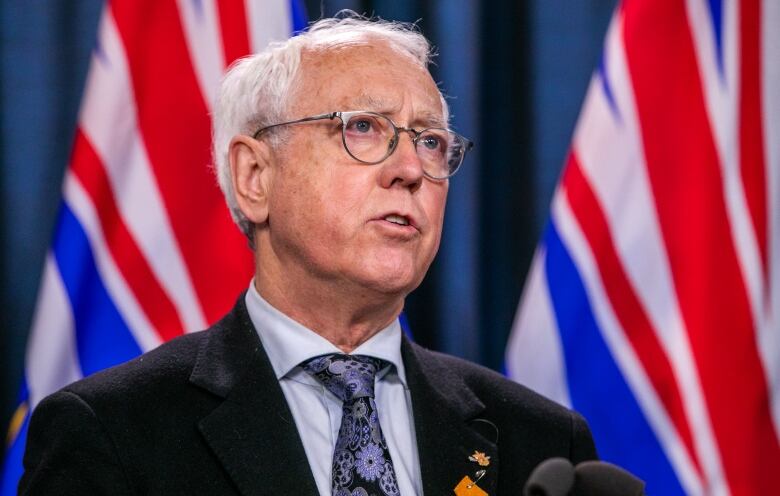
(366, 76)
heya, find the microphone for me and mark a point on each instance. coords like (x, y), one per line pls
(552, 477)
(557, 477)
(595, 478)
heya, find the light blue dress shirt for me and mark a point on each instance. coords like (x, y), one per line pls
(317, 412)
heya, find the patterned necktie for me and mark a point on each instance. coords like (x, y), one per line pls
(361, 460)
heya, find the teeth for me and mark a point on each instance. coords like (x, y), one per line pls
(397, 219)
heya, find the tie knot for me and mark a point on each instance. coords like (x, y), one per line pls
(346, 376)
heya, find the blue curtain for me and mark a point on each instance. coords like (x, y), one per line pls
(44, 53)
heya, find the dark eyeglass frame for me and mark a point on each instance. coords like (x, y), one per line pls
(345, 117)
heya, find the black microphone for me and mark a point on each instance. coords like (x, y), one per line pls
(595, 478)
(552, 477)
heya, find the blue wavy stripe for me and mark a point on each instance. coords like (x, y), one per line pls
(12, 458)
(12, 463)
(597, 388)
(24, 392)
(405, 326)
(716, 16)
(606, 87)
(103, 338)
(299, 18)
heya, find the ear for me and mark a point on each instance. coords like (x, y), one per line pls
(249, 167)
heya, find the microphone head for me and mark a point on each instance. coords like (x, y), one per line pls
(552, 477)
(595, 478)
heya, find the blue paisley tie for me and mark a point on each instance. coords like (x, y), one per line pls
(361, 460)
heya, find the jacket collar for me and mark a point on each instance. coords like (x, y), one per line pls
(252, 432)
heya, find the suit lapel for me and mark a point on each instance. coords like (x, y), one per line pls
(252, 431)
(253, 434)
(448, 426)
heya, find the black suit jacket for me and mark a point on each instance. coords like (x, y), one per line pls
(204, 414)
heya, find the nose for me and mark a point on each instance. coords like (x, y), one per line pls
(403, 167)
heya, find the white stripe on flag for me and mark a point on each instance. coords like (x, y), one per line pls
(726, 107)
(108, 118)
(201, 28)
(722, 104)
(534, 355)
(769, 339)
(116, 286)
(612, 158)
(52, 360)
(621, 349)
(268, 21)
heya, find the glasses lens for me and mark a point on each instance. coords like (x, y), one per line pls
(369, 137)
(441, 152)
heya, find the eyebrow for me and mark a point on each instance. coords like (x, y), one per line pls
(376, 104)
(431, 119)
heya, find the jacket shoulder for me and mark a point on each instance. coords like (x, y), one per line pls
(525, 417)
(490, 386)
(151, 374)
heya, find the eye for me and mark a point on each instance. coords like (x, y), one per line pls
(364, 125)
(433, 142)
(430, 141)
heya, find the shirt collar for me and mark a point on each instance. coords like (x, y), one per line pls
(288, 343)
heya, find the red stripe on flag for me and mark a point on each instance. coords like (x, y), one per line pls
(235, 30)
(687, 184)
(751, 133)
(174, 124)
(624, 301)
(87, 167)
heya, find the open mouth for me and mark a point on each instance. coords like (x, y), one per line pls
(397, 219)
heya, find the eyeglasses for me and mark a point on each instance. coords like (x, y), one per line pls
(370, 138)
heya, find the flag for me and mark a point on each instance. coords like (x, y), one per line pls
(653, 302)
(144, 248)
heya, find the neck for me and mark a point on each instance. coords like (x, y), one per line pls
(345, 316)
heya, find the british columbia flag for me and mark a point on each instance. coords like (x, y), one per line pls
(653, 302)
(144, 248)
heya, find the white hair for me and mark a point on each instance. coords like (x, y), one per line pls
(255, 92)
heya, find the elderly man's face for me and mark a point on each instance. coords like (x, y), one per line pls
(334, 215)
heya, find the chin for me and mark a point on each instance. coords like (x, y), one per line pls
(391, 274)
(400, 284)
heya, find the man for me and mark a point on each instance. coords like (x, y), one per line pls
(334, 154)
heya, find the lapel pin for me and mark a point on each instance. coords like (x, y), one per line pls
(477, 476)
(481, 458)
(468, 487)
